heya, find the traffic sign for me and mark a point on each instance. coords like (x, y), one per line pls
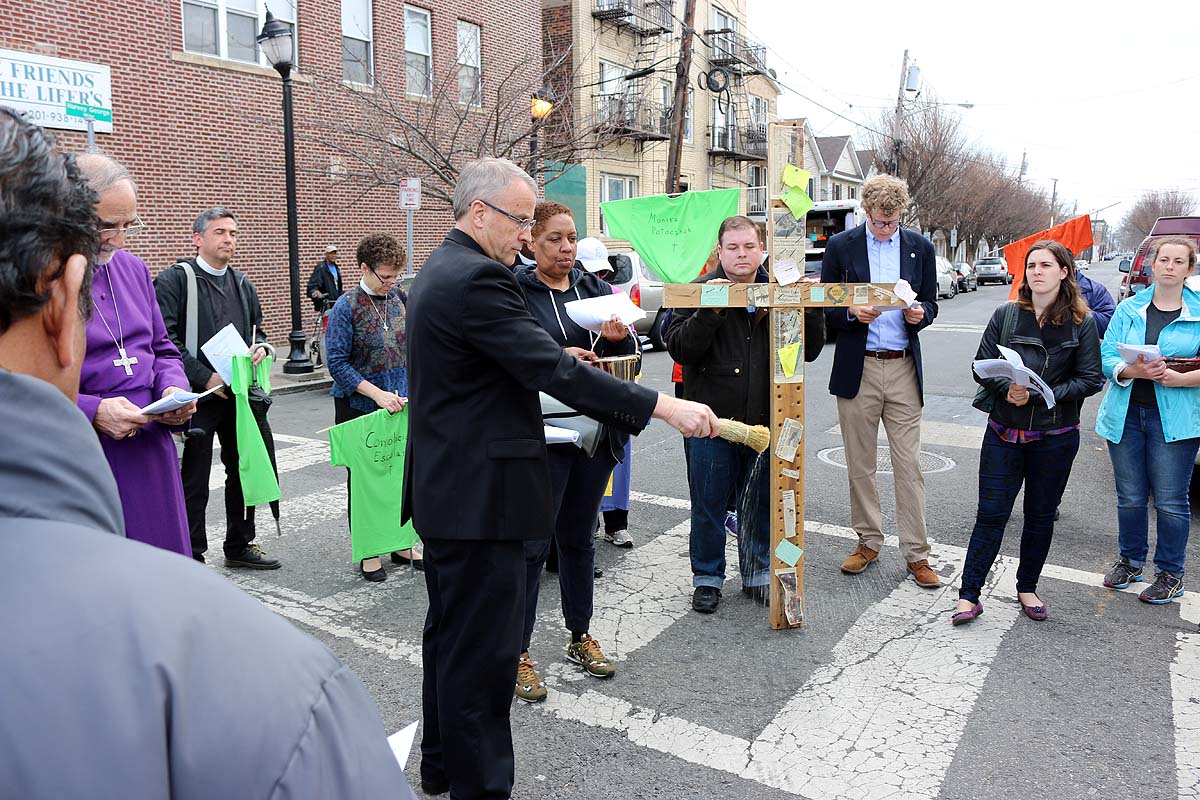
(410, 193)
(83, 112)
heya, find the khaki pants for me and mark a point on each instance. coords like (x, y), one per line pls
(888, 392)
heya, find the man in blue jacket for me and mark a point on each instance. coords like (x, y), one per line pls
(877, 372)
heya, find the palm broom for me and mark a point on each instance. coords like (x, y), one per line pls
(756, 437)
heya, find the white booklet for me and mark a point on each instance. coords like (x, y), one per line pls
(1013, 368)
(592, 312)
(1130, 352)
(221, 349)
(174, 402)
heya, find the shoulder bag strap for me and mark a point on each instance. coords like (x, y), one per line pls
(191, 333)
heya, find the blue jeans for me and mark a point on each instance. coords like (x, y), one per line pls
(1145, 463)
(1043, 467)
(719, 471)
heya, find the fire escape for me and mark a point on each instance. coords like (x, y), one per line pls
(624, 111)
(739, 124)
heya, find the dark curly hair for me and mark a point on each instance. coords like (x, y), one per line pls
(542, 213)
(47, 214)
(379, 249)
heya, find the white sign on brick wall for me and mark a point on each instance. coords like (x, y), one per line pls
(56, 92)
(410, 193)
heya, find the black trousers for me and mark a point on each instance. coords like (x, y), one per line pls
(344, 412)
(579, 484)
(215, 417)
(471, 644)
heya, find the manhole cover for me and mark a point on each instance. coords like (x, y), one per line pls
(930, 462)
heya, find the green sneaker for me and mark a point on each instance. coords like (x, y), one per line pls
(588, 653)
(530, 687)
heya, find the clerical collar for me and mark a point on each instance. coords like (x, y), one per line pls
(362, 284)
(216, 273)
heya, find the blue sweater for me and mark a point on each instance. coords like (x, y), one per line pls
(359, 348)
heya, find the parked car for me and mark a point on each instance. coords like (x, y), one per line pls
(1137, 269)
(992, 269)
(968, 279)
(1081, 263)
(636, 279)
(947, 278)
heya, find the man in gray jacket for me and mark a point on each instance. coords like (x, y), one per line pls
(114, 657)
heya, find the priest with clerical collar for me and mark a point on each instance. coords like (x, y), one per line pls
(131, 363)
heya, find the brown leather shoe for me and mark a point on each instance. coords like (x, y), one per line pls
(859, 560)
(924, 575)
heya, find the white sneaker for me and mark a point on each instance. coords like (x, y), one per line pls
(619, 538)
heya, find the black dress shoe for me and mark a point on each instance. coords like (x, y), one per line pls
(705, 599)
(252, 558)
(432, 787)
(759, 594)
(417, 563)
(375, 575)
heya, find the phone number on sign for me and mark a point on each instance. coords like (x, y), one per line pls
(43, 117)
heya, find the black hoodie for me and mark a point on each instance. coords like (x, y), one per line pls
(547, 306)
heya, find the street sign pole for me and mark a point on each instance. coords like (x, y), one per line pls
(408, 245)
(410, 201)
(91, 133)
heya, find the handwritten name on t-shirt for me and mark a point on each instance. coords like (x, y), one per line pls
(384, 449)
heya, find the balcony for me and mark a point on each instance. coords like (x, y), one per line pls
(632, 116)
(736, 53)
(644, 17)
(739, 142)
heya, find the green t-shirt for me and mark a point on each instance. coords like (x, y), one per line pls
(372, 448)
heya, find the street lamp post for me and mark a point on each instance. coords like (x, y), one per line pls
(277, 44)
(541, 103)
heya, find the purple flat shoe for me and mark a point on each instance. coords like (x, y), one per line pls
(1037, 613)
(963, 617)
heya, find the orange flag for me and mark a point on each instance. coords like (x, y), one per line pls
(1074, 234)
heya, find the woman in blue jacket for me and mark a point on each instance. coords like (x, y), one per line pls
(1151, 419)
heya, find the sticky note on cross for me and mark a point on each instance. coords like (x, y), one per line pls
(788, 553)
(788, 356)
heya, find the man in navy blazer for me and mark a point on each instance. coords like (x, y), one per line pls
(476, 479)
(877, 372)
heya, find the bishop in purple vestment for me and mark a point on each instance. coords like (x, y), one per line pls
(130, 363)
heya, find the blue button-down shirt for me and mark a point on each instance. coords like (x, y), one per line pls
(888, 331)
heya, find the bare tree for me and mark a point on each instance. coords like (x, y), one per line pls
(1136, 224)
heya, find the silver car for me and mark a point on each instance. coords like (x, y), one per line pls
(634, 277)
(947, 278)
(992, 269)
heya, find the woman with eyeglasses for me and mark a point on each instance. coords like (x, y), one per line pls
(365, 342)
(1026, 442)
(1151, 419)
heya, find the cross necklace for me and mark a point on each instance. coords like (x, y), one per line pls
(124, 362)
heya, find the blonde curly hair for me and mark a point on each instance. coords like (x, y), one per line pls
(886, 194)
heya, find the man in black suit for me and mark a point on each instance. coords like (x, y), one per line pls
(477, 483)
(877, 372)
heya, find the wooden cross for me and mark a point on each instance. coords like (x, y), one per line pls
(125, 361)
(786, 462)
(787, 239)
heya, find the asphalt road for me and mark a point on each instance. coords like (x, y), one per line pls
(876, 697)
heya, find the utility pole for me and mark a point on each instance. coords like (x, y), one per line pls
(1053, 201)
(683, 70)
(894, 165)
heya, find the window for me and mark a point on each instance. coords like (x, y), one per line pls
(688, 135)
(356, 41)
(837, 191)
(470, 89)
(723, 44)
(852, 193)
(756, 201)
(612, 106)
(758, 110)
(228, 28)
(724, 125)
(812, 189)
(418, 52)
(615, 187)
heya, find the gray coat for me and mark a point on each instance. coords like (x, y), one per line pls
(130, 672)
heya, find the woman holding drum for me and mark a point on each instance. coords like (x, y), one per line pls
(579, 480)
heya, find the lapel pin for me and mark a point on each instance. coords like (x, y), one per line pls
(912, 255)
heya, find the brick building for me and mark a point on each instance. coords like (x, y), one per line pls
(384, 89)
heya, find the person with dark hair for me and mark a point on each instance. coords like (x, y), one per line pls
(726, 358)
(365, 342)
(224, 296)
(476, 480)
(1149, 417)
(115, 675)
(130, 363)
(878, 376)
(577, 479)
(1026, 442)
(325, 283)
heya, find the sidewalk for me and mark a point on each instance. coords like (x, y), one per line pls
(282, 383)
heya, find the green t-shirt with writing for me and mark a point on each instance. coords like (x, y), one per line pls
(372, 448)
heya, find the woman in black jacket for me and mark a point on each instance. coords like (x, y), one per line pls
(579, 481)
(1027, 442)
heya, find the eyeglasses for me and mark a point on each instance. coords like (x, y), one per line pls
(884, 225)
(525, 224)
(129, 229)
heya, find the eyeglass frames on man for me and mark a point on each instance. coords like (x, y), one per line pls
(525, 224)
(884, 225)
(129, 229)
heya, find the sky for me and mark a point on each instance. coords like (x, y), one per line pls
(1107, 102)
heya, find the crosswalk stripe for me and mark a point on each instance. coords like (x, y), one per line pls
(1185, 693)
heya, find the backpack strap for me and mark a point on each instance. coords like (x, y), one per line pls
(191, 333)
(1010, 322)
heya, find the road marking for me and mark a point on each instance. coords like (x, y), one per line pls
(1185, 693)
(303, 453)
(955, 327)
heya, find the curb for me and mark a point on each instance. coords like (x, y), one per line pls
(300, 386)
